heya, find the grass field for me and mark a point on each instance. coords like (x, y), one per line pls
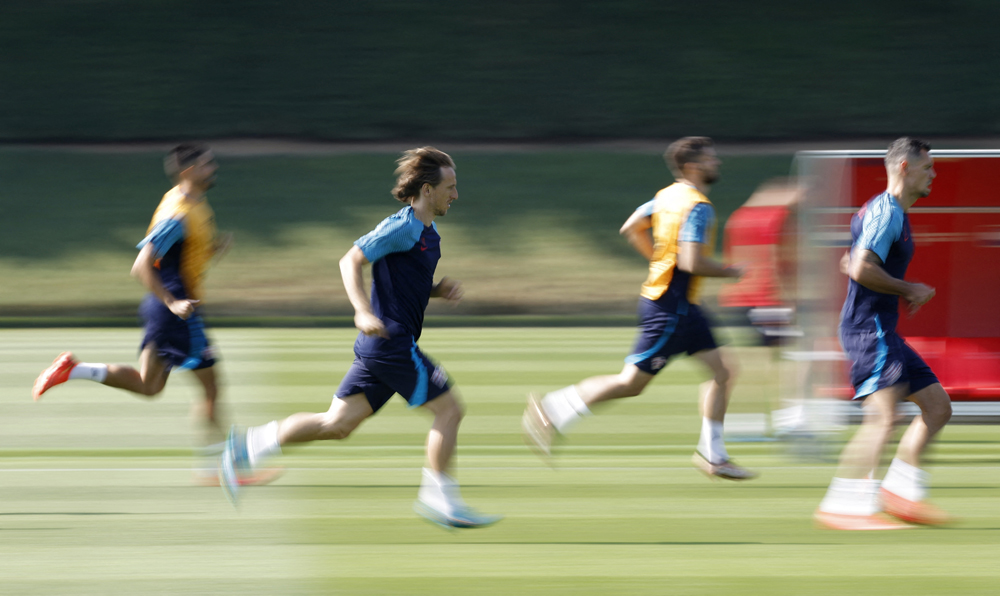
(96, 491)
(531, 230)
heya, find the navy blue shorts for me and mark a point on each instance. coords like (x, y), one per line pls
(179, 342)
(411, 374)
(664, 334)
(882, 359)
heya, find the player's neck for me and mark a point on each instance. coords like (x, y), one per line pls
(898, 190)
(696, 184)
(191, 192)
(423, 211)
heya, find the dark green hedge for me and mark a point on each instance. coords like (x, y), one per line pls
(152, 69)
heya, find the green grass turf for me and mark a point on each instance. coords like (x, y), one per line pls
(531, 231)
(96, 492)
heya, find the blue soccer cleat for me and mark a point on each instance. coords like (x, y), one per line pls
(462, 517)
(234, 463)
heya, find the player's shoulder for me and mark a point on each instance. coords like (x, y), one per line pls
(882, 207)
(172, 206)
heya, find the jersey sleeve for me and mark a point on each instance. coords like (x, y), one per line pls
(395, 234)
(646, 209)
(165, 234)
(697, 224)
(882, 225)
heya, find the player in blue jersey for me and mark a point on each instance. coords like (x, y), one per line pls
(676, 232)
(885, 369)
(403, 252)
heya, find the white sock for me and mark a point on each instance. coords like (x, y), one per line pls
(440, 491)
(710, 445)
(851, 496)
(564, 408)
(91, 372)
(262, 442)
(909, 482)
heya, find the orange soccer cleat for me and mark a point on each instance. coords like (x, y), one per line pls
(56, 374)
(840, 521)
(915, 512)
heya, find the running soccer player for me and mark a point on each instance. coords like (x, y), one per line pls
(172, 261)
(403, 252)
(885, 369)
(682, 222)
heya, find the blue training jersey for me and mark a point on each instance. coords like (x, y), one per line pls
(404, 254)
(882, 227)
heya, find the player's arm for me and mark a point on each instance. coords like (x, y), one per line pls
(636, 231)
(449, 289)
(145, 270)
(865, 267)
(691, 258)
(694, 234)
(352, 271)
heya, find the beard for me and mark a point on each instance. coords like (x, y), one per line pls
(711, 178)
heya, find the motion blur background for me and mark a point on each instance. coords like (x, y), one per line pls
(557, 114)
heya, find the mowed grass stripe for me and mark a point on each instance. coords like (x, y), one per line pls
(97, 493)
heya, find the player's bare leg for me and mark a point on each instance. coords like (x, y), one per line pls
(247, 448)
(440, 499)
(851, 503)
(904, 489)
(148, 381)
(711, 456)
(559, 410)
(343, 417)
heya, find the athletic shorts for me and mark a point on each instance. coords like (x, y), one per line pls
(882, 359)
(664, 334)
(179, 342)
(409, 373)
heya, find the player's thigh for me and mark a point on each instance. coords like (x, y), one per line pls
(208, 379)
(449, 403)
(721, 363)
(634, 378)
(153, 369)
(349, 411)
(880, 407)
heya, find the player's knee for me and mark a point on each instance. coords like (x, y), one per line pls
(336, 430)
(938, 414)
(152, 389)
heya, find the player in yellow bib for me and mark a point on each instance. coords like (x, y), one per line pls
(676, 232)
(173, 258)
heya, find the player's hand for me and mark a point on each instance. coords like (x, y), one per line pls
(449, 289)
(183, 308)
(845, 263)
(369, 324)
(918, 295)
(736, 271)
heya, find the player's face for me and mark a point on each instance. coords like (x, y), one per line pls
(919, 174)
(709, 166)
(202, 173)
(444, 193)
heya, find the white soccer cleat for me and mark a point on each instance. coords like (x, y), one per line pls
(726, 470)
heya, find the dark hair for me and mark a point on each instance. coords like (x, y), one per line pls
(903, 149)
(685, 151)
(182, 157)
(418, 167)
